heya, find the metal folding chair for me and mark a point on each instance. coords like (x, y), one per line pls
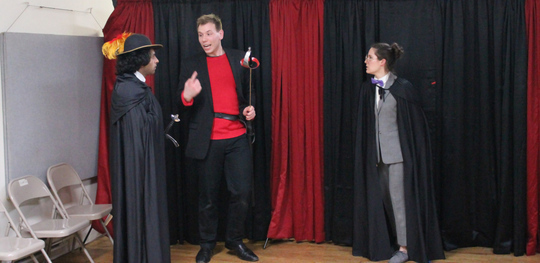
(14, 248)
(64, 182)
(39, 210)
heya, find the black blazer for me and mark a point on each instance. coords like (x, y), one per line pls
(201, 113)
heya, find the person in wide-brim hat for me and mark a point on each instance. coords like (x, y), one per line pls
(126, 43)
(136, 156)
(133, 53)
(136, 42)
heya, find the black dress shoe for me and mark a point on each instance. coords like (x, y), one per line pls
(243, 252)
(204, 255)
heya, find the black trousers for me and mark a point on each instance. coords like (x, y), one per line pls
(228, 159)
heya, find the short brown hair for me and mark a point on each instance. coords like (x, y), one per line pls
(209, 18)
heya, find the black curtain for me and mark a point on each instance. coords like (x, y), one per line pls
(483, 105)
(246, 24)
(350, 29)
(468, 59)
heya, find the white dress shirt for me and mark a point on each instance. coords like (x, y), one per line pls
(384, 79)
(143, 79)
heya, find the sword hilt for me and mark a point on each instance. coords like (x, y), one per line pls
(174, 119)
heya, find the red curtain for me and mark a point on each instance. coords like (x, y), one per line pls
(297, 124)
(532, 15)
(135, 16)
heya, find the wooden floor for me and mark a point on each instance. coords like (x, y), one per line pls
(288, 251)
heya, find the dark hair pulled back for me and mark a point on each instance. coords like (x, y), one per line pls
(389, 52)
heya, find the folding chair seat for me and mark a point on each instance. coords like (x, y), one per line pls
(13, 248)
(64, 180)
(39, 210)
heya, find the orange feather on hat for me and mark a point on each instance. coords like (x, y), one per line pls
(112, 48)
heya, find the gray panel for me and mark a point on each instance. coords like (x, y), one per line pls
(51, 98)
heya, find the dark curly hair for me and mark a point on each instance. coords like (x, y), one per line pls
(132, 61)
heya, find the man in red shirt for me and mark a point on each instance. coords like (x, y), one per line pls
(214, 92)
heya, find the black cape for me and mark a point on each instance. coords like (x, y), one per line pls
(372, 237)
(138, 178)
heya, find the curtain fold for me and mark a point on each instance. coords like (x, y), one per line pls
(135, 16)
(532, 13)
(245, 24)
(484, 125)
(297, 126)
(346, 40)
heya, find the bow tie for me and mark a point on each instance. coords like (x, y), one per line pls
(377, 82)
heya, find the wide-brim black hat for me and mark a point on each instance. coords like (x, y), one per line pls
(136, 42)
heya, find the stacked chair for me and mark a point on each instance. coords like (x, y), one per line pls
(64, 181)
(41, 215)
(14, 248)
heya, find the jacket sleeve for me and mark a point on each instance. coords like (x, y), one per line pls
(186, 70)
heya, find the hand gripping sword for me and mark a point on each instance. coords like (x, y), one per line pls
(251, 63)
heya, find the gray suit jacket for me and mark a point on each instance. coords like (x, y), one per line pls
(386, 129)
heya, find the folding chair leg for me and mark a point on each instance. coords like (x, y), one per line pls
(84, 248)
(45, 255)
(87, 234)
(106, 231)
(108, 219)
(48, 244)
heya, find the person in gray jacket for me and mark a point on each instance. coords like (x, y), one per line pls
(393, 168)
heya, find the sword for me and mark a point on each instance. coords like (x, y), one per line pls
(251, 63)
(175, 119)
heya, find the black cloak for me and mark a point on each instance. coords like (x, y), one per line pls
(138, 178)
(372, 237)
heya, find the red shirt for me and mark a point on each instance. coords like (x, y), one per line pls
(224, 98)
